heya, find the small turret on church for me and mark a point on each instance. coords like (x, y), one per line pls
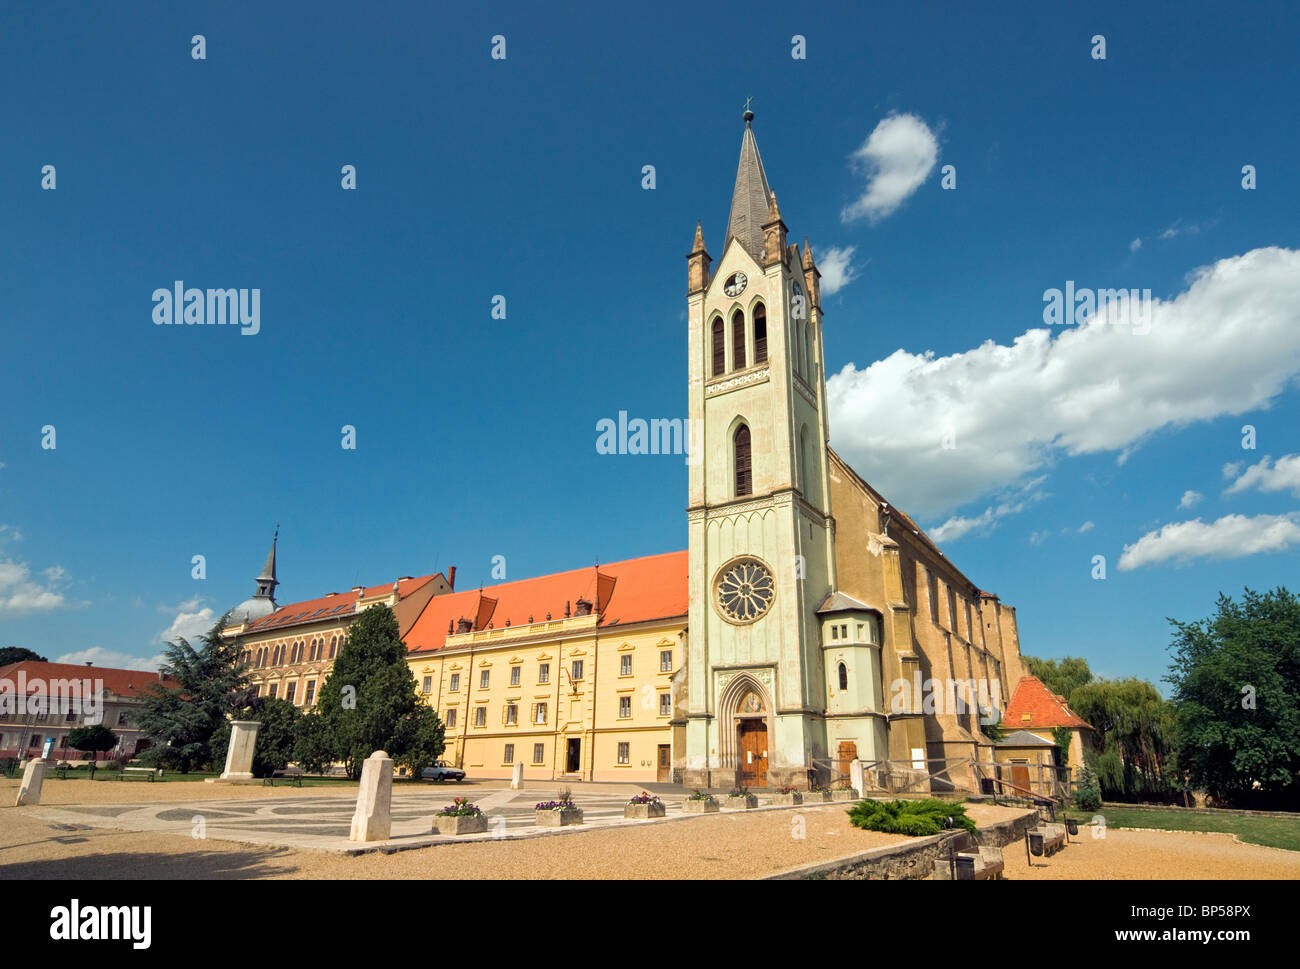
(697, 264)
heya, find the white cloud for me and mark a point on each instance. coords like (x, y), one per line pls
(1228, 344)
(1011, 504)
(1267, 476)
(1232, 536)
(112, 659)
(191, 620)
(1191, 229)
(837, 269)
(9, 533)
(20, 596)
(1189, 498)
(1135, 245)
(1085, 527)
(897, 157)
(1233, 469)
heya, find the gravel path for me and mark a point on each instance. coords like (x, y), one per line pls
(1123, 855)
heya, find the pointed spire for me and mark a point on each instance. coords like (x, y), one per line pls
(807, 254)
(266, 582)
(268, 570)
(750, 199)
(698, 245)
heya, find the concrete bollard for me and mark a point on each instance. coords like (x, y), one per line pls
(33, 779)
(373, 820)
(517, 776)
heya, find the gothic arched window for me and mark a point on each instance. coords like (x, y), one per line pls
(334, 646)
(844, 677)
(744, 472)
(760, 334)
(803, 461)
(738, 340)
(719, 349)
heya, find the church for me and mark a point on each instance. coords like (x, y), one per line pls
(809, 622)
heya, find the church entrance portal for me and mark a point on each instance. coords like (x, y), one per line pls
(753, 751)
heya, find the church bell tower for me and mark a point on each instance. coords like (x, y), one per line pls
(761, 535)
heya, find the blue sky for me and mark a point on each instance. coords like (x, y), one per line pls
(523, 177)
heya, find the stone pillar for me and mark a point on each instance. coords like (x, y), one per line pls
(239, 755)
(33, 778)
(517, 778)
(857, 777)
(374, 818)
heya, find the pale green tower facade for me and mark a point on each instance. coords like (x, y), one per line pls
(761, 534)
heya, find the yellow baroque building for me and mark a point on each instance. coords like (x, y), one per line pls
(570, 674)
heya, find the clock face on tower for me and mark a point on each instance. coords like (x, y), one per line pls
(735, 284)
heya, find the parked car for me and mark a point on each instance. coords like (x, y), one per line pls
(442, 771)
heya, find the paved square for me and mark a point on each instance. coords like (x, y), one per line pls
(322, 822)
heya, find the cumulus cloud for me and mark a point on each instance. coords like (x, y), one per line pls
(21, 596)
(897, 158)
(1135, 245)
(837, 269)
(1227, 344)
(190, 621)
(111, 658)
(1189, 498)
(1232, 536)
(1268, 476)
(1011, 504)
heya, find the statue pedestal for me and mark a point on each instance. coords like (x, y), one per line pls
(239, 755)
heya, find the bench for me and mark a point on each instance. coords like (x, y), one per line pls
(1052, 837)
(147, 772)
(978, 863)
(294, 777)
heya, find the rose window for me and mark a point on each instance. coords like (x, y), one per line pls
(744, 590)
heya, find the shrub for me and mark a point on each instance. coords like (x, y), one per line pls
(644, 798)
(1088, 795)
(915, 818)
(700, 795)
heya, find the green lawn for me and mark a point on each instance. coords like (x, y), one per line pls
(1272, 832)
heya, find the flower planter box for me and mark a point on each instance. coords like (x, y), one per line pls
(558, 819)
(700, 807)
(746, 803)
(461, 824)
(787, 800)
(643, 811)
(849, 795)
(816, 797)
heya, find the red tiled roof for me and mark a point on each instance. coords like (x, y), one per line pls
(334, 605)
(121, 682)
(1045, 708)
(635, 590)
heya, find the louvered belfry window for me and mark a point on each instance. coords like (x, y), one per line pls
(738, 340)
(760, 334)
(719, 349)
(744, 475)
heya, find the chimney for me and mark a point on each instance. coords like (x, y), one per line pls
(451, 578)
